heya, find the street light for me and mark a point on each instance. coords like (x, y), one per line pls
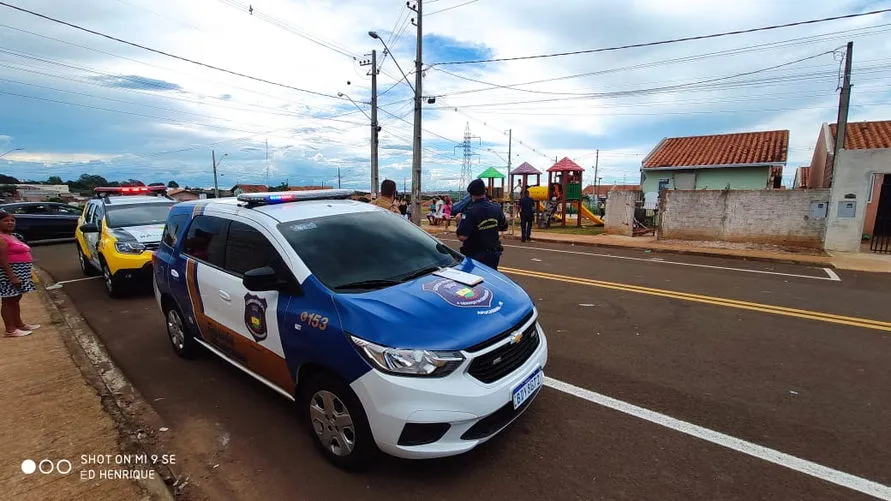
(374, 35)
(10, 151)
(341, 94)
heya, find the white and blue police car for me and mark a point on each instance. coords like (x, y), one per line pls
(386, 338)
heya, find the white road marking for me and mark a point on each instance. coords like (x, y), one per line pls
(58, 285)
(832, 277)
(832, 274)
(773, 456)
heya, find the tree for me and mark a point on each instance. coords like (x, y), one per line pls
(54, 180)
(172, 184)
(283, 186)
(156, 184)
(4, 179)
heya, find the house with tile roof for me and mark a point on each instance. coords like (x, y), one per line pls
(742, 161)
(860, 180)
(238, 189)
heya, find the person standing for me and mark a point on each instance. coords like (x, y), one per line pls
(403, 208)
(526, 209)
(15, 277)
(447, 211)
(387, 197)
(478, 229)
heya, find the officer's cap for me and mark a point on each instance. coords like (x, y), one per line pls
(476, 188)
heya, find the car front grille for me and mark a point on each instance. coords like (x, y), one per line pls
(500, 362)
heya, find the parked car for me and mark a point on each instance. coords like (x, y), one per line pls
(387, 339)
(36, 221)
(117, 233)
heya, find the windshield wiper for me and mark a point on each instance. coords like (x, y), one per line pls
(420, 273)
(368, 284)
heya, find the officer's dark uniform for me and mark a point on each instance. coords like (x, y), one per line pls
(527, 208)
(481, 223)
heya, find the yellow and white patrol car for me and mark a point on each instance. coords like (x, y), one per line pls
(117, 232)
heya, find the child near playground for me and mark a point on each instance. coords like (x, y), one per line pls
(447, 211)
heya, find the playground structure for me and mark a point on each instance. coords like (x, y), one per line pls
(523, 172)
(490, 175)
(564, 190)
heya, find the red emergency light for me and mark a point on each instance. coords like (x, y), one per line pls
(128, 190)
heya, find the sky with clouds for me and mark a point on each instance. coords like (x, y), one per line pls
(79, 103)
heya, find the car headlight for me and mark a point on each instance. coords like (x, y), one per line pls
(409, 362)
(129, 247)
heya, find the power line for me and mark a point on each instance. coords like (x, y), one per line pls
(452, 7)
(254, 108)
(663, 62)
(163, 53)
(663, 42)
(289, 28)
(697, 85)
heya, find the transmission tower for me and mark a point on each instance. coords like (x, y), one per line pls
(466, 167)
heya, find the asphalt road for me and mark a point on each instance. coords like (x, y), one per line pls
(781, 356)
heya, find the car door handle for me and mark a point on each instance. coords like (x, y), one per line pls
(174, 273)
(224, 296)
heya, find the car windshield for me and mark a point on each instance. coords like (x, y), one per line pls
(366, 250)
(137, 214)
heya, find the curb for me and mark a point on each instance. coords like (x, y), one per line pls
(136, 421)
(812, 262)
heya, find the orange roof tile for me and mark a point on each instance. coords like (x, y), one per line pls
(251, 188)
(865, 135)
(767, 147)
(566, 165)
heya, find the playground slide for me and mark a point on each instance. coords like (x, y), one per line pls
(590, 215)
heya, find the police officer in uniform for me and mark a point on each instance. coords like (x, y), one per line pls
(478, 229)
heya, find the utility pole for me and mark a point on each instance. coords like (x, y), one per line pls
(843, 101)
(375, 129)
(213, 160)
(338, 178)
(596, 165)
(509, 142)
(267, 161)
(403, 186)
(416, 148)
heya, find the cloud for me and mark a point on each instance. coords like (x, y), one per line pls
(117, 110)
(136, 82)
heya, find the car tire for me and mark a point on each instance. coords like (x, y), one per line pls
(337, 422)
(113, 286)
(85, 265)
(179, 333)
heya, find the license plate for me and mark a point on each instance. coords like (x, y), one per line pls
(525, 389)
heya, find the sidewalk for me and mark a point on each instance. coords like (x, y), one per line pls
(840, 260)
(50, 411)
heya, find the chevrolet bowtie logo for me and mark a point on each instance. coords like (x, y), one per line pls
(516, 338)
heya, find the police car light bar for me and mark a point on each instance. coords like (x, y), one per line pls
(280, 197)
(128, 190)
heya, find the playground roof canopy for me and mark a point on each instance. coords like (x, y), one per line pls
(525, 168)
(490, 173)
(566, 165)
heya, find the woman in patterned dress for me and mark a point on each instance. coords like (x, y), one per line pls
(15, 277)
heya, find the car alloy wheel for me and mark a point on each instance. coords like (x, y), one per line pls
(175, 330)
(332, 423)
(337, 422)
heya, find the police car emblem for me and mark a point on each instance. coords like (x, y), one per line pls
(255, 316)
(478, 296)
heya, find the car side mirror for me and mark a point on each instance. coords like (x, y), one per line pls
(264, 279)
(89, 228)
